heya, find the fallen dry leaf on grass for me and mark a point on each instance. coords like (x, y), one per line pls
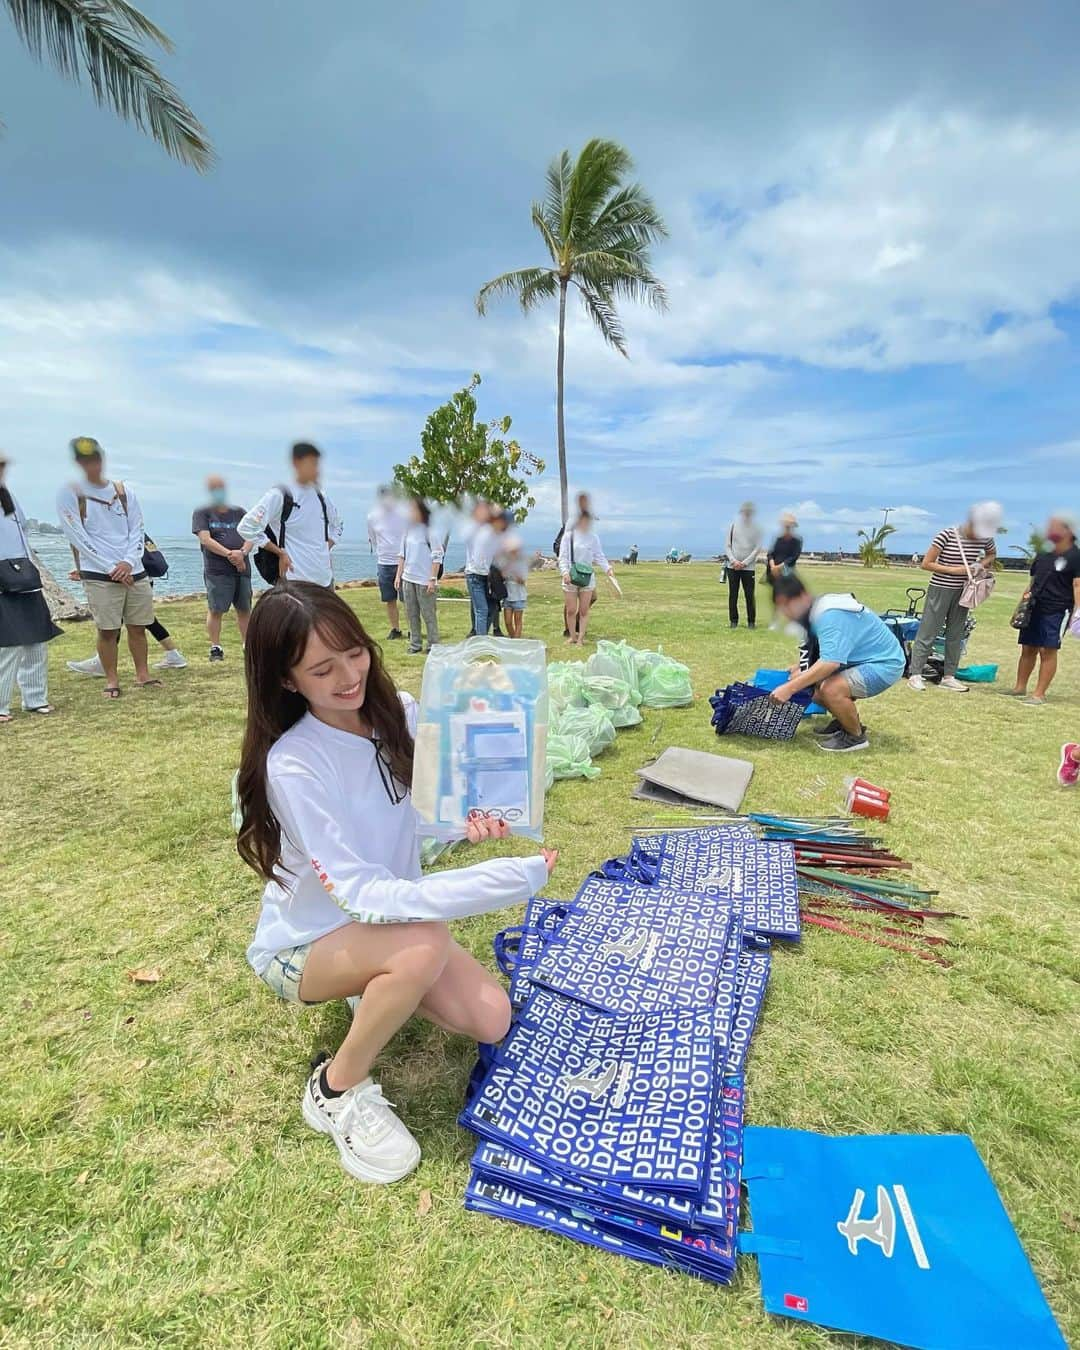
(424, 1207)
(145, 975)
(80, 1180)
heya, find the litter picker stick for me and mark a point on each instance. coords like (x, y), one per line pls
(618, 588)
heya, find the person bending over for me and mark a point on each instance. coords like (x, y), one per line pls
(853, 656)
(328, 823)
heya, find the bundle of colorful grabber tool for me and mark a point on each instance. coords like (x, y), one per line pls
(612, 1113)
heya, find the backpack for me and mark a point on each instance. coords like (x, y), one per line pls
(154, 562)
(267, 564)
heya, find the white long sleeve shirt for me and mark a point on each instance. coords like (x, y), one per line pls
(481, 542)
(418, 552)
(386, 529)
(109, 535)
(587, 552)
(305, 530)
(352, 856)
(13, 541)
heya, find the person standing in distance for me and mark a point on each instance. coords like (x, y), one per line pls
(386, 525)
(25, 623)
(103, 522)
(226, 568)
(741, 552)
(298, 524)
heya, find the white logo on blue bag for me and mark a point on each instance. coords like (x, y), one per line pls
(880, 1230)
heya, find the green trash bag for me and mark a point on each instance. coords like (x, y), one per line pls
(616, 660)
(616, 696)
(593, 724)
(666, 684)
(565, 684)
(568, 757)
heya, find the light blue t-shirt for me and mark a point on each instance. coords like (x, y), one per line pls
(853, 638)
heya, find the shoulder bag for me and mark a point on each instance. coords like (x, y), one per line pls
(580, 575)
(979, 586)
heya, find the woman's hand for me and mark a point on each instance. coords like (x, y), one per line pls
(431, 587)
(551, 857)
(479, 827)
(782, 693)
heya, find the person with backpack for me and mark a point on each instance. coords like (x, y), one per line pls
(956, 558)
(103, 523)
(296, 526)
(25, 623)
(420, 565)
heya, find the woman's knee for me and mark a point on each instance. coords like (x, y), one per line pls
(492, 1013)
(425, 954)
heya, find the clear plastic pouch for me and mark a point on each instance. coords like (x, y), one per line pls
(481, 737)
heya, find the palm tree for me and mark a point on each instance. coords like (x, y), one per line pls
(1036, 542)
(872, 549)
(101, 40)
(598, 231)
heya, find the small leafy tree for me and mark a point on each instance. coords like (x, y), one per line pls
(1036, 542)
(461, 457)
(872, 549)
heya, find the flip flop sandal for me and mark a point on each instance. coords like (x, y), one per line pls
(111, 693)
(5, 718)
(150, 684)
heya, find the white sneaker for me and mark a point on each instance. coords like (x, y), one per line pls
(951, 682)
(373, 1144)
(91, 666)
(172, 661)
(917, 683)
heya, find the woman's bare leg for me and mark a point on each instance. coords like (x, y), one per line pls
(1048, 662)
(585, 604)
(1024, 668)
(467, 999)
(394, 966)
(573, 597)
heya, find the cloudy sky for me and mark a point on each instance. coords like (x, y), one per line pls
(874, 259)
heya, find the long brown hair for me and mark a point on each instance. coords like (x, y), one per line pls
(277, 637)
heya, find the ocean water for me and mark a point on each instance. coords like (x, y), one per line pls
(352, 562)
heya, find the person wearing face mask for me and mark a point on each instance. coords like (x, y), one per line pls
(226, 566)
(1054, 593)
(852, 656)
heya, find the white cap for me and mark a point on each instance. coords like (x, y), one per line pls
(986, 518)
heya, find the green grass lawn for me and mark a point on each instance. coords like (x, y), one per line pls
(157, 1184)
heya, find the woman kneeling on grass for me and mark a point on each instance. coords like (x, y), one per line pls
(328, 822)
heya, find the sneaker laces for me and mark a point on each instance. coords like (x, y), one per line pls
(365, 1107)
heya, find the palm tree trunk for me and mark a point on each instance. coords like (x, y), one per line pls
(560, 422)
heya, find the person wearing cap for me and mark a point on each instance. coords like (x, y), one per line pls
(954, 555)
(386, 529)
(1054, 594)
(103, 523)
(781, 558)
(25, 623)
(740, 556)
(309, 519)
(226, 566)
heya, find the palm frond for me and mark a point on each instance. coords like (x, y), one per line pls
(98, 38)
(529, 284)
(599, 307)
(597, 173)
(559, 173)
(550, 238)
(629, 214)
(621, 273)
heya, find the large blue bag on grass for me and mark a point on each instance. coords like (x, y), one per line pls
(901, 1237)
(595, 1097)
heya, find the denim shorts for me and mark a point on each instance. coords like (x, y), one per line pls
(873, 677)
(1043, 629)
(387, 574)
(516, 595)
(284, 972)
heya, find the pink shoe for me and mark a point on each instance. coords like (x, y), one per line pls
(1069, 770)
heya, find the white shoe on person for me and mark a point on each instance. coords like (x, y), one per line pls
(91, 666)
(951, 682)
(917, 683)
(173, 660)
(372, 1142)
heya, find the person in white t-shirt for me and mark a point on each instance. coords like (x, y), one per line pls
(419, 565)
(328, 823)
(298, 524)
(386, 527)
(580, 554)
(479, 536)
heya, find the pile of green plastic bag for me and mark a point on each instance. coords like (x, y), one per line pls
(592, 699)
